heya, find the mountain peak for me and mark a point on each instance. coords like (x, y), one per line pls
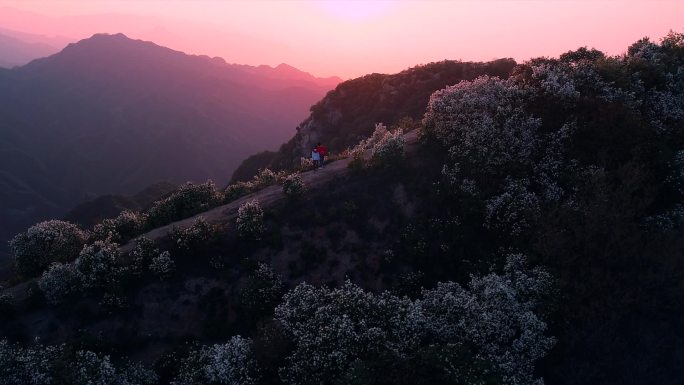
(119, 36)
(286, 67)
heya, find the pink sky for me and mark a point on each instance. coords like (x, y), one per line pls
(354, 37)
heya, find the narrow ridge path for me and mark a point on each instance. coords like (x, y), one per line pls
(267, 196)
(228, 212)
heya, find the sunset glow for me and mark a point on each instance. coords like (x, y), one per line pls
(352, 38)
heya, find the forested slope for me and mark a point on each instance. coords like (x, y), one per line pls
(349, 113)
(534, 234)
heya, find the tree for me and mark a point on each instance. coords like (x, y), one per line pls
(489, 329)
(231, 363)
(89, 368)
(162, 265)
(60, 282)
(250, 220)
(97, 265)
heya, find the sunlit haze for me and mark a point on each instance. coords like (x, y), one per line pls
(352, 38)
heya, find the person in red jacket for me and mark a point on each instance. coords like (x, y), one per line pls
(323, 151)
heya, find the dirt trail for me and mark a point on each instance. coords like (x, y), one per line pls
(268, 196)
(227, 213)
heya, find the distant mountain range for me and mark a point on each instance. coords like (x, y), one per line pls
(111, 115)
(19, 48)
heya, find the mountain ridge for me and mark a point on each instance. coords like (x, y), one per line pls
(339, 120)
(110, 115)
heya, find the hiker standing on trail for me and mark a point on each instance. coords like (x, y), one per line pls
(323, 152)
(316, 157)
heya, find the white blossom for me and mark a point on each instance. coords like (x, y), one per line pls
(199, 232)
(555, 82)
(97, 264)
(60, 282)
(231, 363)
(27, 366)
(514, 210)
(126, 224)
(91, 369)
(250, 220)
(293, 186)
(44, 243)
(162, 265)
(494, 320)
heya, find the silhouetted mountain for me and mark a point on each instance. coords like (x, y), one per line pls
(110, 115)
(350, 112)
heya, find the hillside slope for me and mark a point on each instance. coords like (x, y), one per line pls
(534, 232)
(349, 113)
(110, 115)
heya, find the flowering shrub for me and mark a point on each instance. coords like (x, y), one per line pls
(231, 363)
(162, 265)
(305, 164)
(189, 200)
(200, 232)
(97, 264)
(44, 243)
(250, 220)
(44, 365)
(357, 161)
(483, 124)
(264, 178)
(333, 329)
(142, 255)
(60, 282)
(514, 210)
(237, 190)
(496, 314)
(30, 366)
(385, 148)
(487, 329)
(90, 368)
(293, 186)
(388, 151)
(125, 226)
(554, 81)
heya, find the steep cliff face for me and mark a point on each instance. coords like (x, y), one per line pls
(349, 112)
(311, 131)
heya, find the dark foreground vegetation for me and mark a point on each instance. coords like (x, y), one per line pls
(534, 235)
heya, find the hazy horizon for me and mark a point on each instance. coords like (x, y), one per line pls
(353, 38)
